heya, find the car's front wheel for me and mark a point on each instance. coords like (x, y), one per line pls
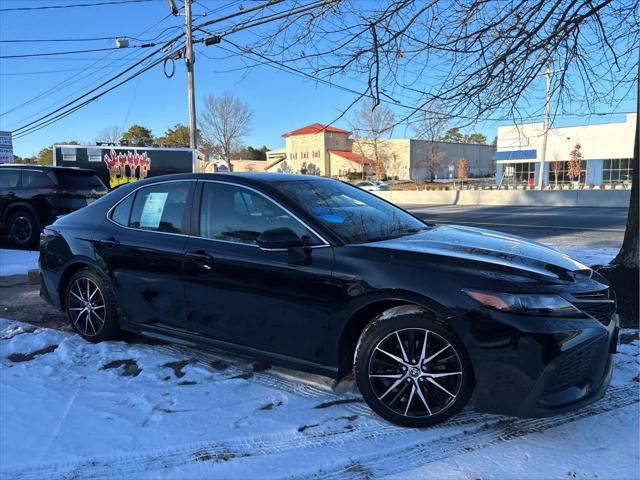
(411, 370)
(91, 307)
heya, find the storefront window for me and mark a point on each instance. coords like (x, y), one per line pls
(558, 173)
(519, 173)
(617, 170)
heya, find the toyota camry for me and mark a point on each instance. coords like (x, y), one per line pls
(319, 275)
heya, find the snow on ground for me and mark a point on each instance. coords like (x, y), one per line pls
(17, 262)
(137, 410)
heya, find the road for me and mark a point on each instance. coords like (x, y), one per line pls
(578, 225)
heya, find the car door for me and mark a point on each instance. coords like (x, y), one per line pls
(142, 247)
(276, 301)
(9, 184)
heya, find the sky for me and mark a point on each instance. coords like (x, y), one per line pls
(33, 86)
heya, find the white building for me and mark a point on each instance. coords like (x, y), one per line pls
(607, 150)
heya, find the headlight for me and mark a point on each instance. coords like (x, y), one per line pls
(530, 304)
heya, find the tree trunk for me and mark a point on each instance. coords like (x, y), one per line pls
(623, 271)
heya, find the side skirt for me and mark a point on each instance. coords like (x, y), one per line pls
(192, 339)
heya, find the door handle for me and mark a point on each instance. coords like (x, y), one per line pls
(109, 242)
(201, 257)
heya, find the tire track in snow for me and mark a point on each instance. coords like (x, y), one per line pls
(407, 457)
(475, 431)
(128, 465)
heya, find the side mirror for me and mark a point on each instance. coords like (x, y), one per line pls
(279, 239)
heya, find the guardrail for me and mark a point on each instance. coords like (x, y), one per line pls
(532, 198)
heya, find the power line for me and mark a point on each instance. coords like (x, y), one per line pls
(47, 7)
(51, 117)
(51, 40)
(71, 52)
(74, 78)
(28, 129)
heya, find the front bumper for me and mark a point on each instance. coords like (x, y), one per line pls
(532, 367)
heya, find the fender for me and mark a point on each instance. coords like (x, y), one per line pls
(68, 269)
(342, 341)
(19, 205)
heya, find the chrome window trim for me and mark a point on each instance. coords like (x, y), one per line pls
(110, 212)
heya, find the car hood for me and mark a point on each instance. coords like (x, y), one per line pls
(487, 246)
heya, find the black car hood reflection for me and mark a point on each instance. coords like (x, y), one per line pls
(488, 246)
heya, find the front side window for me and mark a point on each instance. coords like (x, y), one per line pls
(352, 214)
(160, 208)
(236, 214)
(9, 178)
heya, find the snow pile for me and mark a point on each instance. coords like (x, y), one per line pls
(71, 409)
(17, 262)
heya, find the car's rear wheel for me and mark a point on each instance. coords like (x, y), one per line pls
(23, 229)
(411, 370)
(91, 307)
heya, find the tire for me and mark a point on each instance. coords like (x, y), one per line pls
(100, 322)
(24, 229)
(394, 378)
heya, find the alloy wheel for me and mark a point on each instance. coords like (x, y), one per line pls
(21, 229)
(86, 306)
(415, 372)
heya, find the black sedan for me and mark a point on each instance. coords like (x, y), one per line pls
(319, 275)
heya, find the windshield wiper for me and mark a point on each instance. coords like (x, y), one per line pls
(403, 233)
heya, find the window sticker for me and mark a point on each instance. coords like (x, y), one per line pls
(152, 210)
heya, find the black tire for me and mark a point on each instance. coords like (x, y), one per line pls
(24, 229)
(411, 393)
(99, 322)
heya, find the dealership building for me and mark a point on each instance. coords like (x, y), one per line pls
(607, 150)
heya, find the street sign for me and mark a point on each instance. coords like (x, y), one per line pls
(6, 147)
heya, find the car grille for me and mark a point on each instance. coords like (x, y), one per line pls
(578, 367)
(596, 304)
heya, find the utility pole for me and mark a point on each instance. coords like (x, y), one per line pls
(547, 119)
(190, 60)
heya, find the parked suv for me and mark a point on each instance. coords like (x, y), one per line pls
(32, 196)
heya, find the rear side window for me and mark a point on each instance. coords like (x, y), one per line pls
(9, 178)
(122, 212)
(33, 179)
(80, 181)
(161, 208)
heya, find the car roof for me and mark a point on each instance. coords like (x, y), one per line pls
(246, 178)
(29, 166)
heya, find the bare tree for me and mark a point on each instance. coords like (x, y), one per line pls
(556, 167)
(431, 126)
(372, 125)
(225, 121)
(110, 134)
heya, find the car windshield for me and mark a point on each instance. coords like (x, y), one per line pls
(354, 215)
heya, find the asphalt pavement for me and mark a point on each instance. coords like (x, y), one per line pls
(579, 225)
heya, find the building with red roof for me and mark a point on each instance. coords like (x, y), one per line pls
(319, 150)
